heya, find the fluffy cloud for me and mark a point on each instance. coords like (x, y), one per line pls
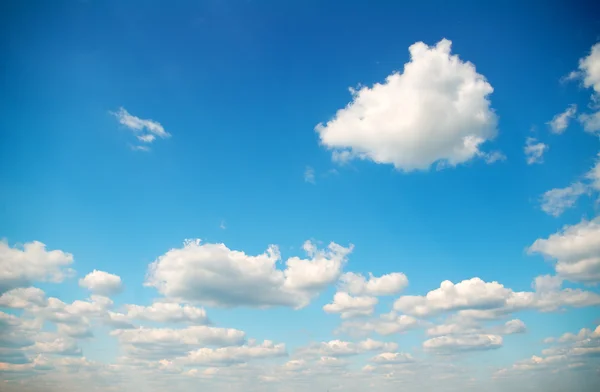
(214, 275)
(488, 300)
(19, 267)
(385, 324)
(534, 151)
(560, 122)
(589, 72)
(349, 306)
(23, 297)
(556, 201)
(357, 284)
(339, 348)
(463, 343)
(575, 249)
(165, 312)
(437, 110)
(392, 358)
(162, 343)
(51, 344)
(466, 326)
(103, 283)
(570, 351)
(226, 356)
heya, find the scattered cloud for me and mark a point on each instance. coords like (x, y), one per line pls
(349, 307)
(385, 324)
(589, 73)
(451, 344)
(388, 284)
(534, 151)
(436, 110)
(21, 266)
(167, 312)
(557, 200)
(490, 300)
(102, 283)
(309, 175)
(145, 130)
(339, 348)
(575, 250)
(560, 122)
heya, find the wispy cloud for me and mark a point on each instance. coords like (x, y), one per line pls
(309, 175)
(534, 151)
(560, 122)
(145, 130)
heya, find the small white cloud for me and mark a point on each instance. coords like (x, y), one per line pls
(145, 130)
(560, 122)
(534, 151)
(103, 283)
(222, 225)
(168, 312)
(450, 344)
(339, 348)
(436, 110)
(556, 201)
(388, 284)
(575, 249)
(349, 306)
(309, 175)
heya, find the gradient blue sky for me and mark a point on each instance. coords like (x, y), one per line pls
(240, 87)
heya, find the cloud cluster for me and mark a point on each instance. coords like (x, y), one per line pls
(575, 250)
(214, 275)
(436, 111)
(20, 266)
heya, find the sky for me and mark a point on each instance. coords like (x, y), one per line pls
(299, 196)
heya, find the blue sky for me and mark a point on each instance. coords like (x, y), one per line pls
(468, 152)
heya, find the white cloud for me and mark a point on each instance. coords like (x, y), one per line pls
(392, 358)
(50, 344)
(166, 312)
(475, 298)
(19, 267)
(103, 283)
(225, 356)
(150, 127)
(388, 284)
(466, 326)
(560, 122)
(349, 306)
(463, 343)
(163, 343)
(589, 72)
(591, 122)
(557, 200)
(576, 250)
(339, 348)
(436, 110)
(385, 324)
(214, 275)
(594, 175)
(534, 151)
(309, 175)
(23, 297)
